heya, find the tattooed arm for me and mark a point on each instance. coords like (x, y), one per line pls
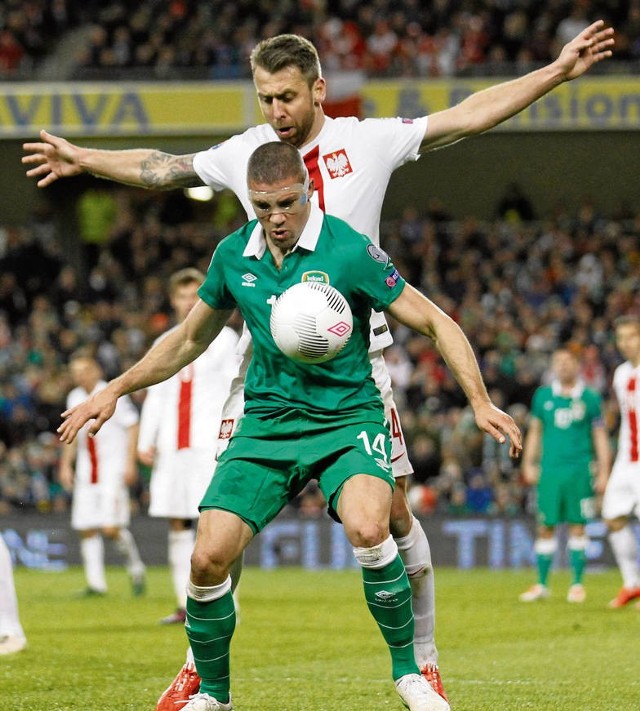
(55, 157)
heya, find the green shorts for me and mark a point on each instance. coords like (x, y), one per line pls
(565, 494)
(269, 462)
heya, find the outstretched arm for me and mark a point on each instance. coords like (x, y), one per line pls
(489, 107)
(180, 346)
(419, 313)
(55, 157)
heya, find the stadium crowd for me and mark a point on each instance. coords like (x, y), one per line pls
(197, 39)
(519, 287)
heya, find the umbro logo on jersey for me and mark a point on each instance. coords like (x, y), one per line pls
(248, 279)
(337, 163)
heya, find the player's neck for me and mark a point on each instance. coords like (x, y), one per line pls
(316, 128)
(567, 388)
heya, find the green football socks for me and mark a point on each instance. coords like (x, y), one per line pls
(388, 595)
(577, 562)
(209, 627)
(543, 561)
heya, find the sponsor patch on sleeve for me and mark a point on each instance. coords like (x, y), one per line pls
(392, 279)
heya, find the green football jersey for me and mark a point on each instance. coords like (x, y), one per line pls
(567, 423)
(242, 273)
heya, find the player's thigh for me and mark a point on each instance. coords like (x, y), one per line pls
(362, 448)
(399, 457)
(579, 497)
(86, 510)
(550, 499)
(99, 506)
(116, 509)
(254, 481)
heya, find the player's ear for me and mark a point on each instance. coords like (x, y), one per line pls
(311, 189)
(319, 91)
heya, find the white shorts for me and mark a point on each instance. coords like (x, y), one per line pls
(178, 483)
(102, 505)
(400, 464)
(622, 495)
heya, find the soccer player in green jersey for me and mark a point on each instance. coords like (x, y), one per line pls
(301, 421)
(566, 440)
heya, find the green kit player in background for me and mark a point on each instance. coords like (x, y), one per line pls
(301, 421)
(565, 443)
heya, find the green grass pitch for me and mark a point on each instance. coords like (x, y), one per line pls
(306, 642)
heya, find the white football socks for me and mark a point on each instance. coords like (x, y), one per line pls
(92, 551)
(416, 555)
(9, 619)
(180, 549)
(625, 550)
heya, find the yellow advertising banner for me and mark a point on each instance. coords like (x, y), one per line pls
(116, 109)
(215, 108)
(599, 103)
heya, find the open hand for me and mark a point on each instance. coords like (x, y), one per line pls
(54, 158)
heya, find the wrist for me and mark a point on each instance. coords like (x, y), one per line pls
(85, 160)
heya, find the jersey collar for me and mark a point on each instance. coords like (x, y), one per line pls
(257, 245)
(576, 392)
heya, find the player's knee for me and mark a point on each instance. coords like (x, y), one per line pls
(577, 543)
(376, 556)
(368, 533)
(615, 524)
(208, 566)
(545, 546)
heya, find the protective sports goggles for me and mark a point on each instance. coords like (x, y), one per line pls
(288, 200)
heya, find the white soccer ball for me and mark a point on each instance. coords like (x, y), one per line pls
(311, 322)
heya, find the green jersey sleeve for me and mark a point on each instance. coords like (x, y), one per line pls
(375, 277)
(214, 291)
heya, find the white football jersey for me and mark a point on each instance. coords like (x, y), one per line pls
(103, 458)
(350, 163)
(184, 412)
(626, 384)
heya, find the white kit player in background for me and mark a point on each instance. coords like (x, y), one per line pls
(179, 428)
(99, 471)
(622, 495)
(350, 163)
(12, 637)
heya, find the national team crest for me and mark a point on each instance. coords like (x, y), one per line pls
(337, 163)
(226, 429)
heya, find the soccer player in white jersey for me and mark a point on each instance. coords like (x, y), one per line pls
(622, 495)
(350, 162)
(99, 470)
(12, 637)
(179, 427)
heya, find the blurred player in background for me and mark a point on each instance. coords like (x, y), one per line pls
(12, 637)
(622, 496)
(301, 421)
(565, 441)
(179, 428)
(99, 471)
(351, 163)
